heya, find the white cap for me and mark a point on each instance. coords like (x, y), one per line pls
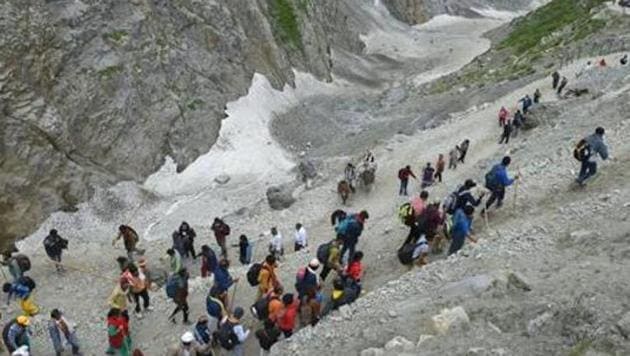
(314, 263)
(188, 337)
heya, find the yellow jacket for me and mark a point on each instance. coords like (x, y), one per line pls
(267, 278)
(118, 299)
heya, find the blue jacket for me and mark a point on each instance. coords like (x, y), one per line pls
(465, 197)
(598, 147)
(461, 225)
(308, 282)
(202, 334)
(501, 175)
(222, 279)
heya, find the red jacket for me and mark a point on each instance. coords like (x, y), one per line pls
(355, 270)
(405, 173)
(116, 340)
(286, 322)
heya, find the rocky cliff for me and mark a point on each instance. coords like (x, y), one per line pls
(95, 92)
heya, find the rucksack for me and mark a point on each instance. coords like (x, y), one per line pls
(348, 227)
(405, 253)
(226, 229)
(171, 286)
(401, 173)
(491, 178)
(405, 213)
(260, 309)
(582, 150)
(450, 202)
(227, 337)
(23, 262)
(252, 274)
(49, 242)
(343, 226)
(28, 282)
(214, 307)
(323, 252)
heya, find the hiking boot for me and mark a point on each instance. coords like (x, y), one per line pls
(138, 315)
(149, 308)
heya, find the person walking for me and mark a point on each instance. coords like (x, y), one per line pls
(301, 238)
(334, 259)
(119, 297)
(555, 76)
(350, 174)
(54, 246)
(223, 280)
(209, 261)
(267, 277)
(563, 84)
(186, 236)
(419, 202)
(496, 181)
(403, 176)
(507, 131)
(17, 333)
(221, 231)
(139, 284)
(537, 96)
(244, 250)
(463, 150)
(203, 335)
(517, 123)
(286, 321)
(526, 103)
(624, 60)
(465, 196)
(174, 260)
(587, 151)
(427, 176)
(354, 270)
(118, 333)
(60, 329)
(350, 230)
(130, 240)
(439, 167)
(503, 116)
(461, 229)
(452, 158)
(181, 297)
(232, 333)
(276, 246)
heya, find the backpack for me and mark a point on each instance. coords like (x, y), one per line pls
(28, 282)
(214, 307)
(491, 178)
(343, 226)
(227, 337)
(49, 242)
(582, 150)
(405, 213)
(23, 262)
(252, 274)
(171, 286)
(450, 202)
(405, 253)
(260, 309)
(401, 174)
(226, 229)
(323, 252)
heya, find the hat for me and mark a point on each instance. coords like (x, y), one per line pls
(188, 337)
(314, 263)
(202, 319)
(238, 312)
(23, 320)
(142, 262)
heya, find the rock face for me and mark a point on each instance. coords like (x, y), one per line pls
(280, 197)
(97, 92)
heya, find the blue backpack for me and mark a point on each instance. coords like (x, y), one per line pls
(214, 308)
(348, 227)
(171, 286)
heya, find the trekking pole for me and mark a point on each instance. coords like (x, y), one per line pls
(233, 296)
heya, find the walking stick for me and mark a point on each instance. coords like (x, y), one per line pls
(231, 304)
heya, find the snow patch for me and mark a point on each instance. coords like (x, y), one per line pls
(245, 149)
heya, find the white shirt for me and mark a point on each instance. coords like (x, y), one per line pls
(240, 333)
(276, 242)
(301, 237)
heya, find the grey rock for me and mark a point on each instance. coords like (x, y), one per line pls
(399, 344)
(468, 286)
(518, 281)
(307, 169)
(372, 351)
(535, 325)
(623, 325)
(222, 179)
(280, 197)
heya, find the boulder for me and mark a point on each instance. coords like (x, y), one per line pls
(516, 280)
(535, 325)
(280, 197)
(222, 179)
(539, 114)
(399, 344)
(307, 169)
(468, 286)
(624, 325)
(450, 319)
(424, 338)
(372, 351)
